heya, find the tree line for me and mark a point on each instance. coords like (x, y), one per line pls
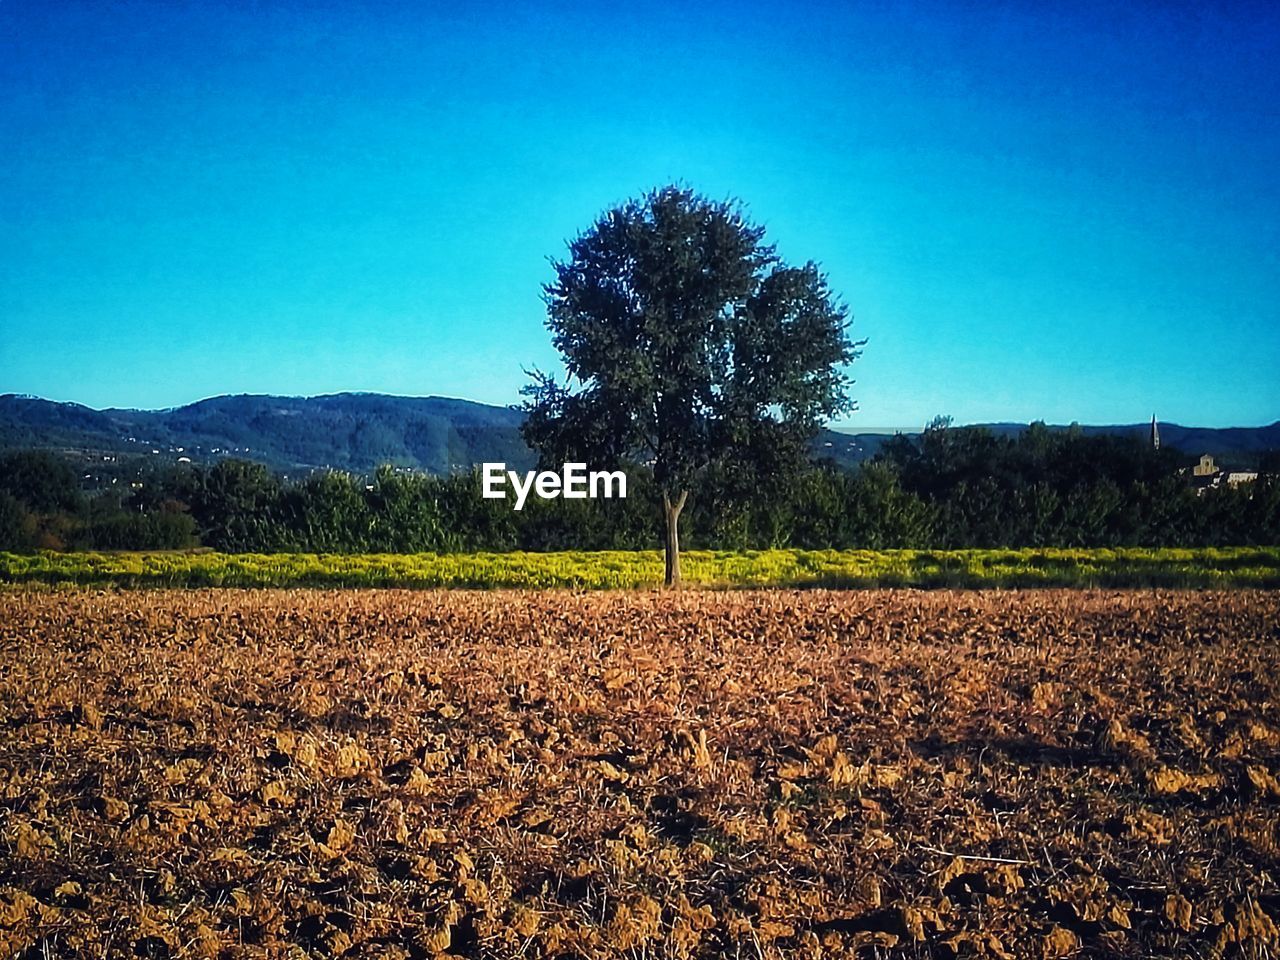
(946, 488)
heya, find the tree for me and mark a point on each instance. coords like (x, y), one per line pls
(44, 482)
(17, 526)
(327, 513)
(233, 504)
(686, 343)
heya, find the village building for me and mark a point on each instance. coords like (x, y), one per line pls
(1206, 467)
(1206, 473)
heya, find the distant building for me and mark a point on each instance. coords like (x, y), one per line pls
(1241, 476)
(1206, 474)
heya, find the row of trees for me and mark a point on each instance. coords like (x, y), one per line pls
(42, 507)
(950, 487)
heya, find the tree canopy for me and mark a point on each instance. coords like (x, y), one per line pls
(687, 343)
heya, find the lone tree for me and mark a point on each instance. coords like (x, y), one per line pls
(687, 344)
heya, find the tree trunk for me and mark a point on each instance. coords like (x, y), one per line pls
(671, 512)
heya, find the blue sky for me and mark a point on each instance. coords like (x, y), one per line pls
(1064, 214)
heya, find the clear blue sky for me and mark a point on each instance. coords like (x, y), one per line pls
(1032, 213)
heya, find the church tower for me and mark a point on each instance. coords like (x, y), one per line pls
(1155, 434)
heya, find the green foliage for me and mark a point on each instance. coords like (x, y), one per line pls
(688, 345)
(1065, 488)
(234, 502)
(124, 530)
(405, 513)
(954, 489)
(17, 530)
(41, 481)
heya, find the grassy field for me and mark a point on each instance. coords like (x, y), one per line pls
(230, 774)
(1130, 567)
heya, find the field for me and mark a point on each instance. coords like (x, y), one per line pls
(220, 773)
(1047, 567)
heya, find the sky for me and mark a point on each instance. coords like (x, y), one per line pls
(1066, 212)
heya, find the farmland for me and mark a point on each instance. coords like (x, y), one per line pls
(628, 569)
(243, 773)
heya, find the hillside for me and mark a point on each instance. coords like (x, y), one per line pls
(350, 431)
(359, 431)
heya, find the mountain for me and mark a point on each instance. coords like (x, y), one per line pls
(349, 431)
(359, 431)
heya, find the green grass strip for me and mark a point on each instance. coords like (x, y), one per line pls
(613, 570)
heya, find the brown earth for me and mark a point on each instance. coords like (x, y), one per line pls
(754, 774)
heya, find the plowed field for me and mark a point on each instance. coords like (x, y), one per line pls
(755, 774)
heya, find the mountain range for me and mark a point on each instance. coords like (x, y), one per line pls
(348, 431)
(359, 431)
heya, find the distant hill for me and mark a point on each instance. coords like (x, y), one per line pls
(348, 431)
(359, 431)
